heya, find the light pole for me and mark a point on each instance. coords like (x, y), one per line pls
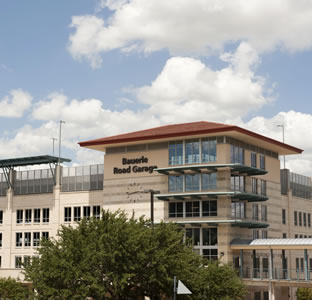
(53, 140)
(283, 129)
(152, 193)
(60, 141)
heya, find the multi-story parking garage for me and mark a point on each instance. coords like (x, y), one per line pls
(222, 183)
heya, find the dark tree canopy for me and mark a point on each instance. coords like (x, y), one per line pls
(304, 294)
(119, 258)
(13, 290)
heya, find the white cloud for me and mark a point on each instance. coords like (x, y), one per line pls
(186, 89)
(297, 127)
(14, 106)
(192, 27)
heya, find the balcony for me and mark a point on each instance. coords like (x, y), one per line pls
(237, 169)
(250, 197)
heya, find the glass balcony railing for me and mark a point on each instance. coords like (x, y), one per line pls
(83, 178)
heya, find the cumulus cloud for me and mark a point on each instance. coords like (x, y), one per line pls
(191, 27)
(14, 106)
(187, 89)
(296, 126)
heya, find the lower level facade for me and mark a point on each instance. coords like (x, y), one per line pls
(220, 182)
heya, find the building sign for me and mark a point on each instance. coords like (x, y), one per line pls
(134, 165)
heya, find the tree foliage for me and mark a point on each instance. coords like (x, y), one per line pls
(304, 294)
(119, 258)
(13, 290)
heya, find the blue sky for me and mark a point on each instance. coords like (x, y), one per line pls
(112, 66)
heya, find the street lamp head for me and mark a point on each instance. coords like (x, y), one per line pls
(151, 191)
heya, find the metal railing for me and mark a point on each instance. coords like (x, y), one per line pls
(278, 274)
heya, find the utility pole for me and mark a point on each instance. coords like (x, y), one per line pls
(53, 140)
(60, 141)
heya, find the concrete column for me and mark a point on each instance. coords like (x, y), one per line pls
(271, 265)
(9, 222)
(58, 172)
(306, 268)
(271, 291)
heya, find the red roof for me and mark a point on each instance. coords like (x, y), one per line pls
(176, 130)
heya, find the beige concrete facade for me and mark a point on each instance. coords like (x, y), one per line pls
(129, 173)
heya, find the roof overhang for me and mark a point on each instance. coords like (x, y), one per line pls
(273, 244)
(31, 160)
(230, 130)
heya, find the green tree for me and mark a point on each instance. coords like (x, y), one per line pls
(119, 258)
(304, 294)
(11, 289)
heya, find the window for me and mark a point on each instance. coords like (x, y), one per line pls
(176, 153)
(27, 239)
(86, 211)
(175, 183)
(77, 213)
(309, 220)
(192, 182)
(192, 209)
(263, 187)
(283, 216)
(97, 211)
(255, 212)
(238, 183)
(300, 218)
(257, 296)
(36, 239)
(46, 215)
(238, 210)
(19, 216)
(295, 218)
(284, 236)
(27, 259)
(175, 209)
(304, 219)
(301, 236)
(255, 234)
(265, 295)
(297, 263)
(209, 181)
(211, 254)
(301, 264)
(265, 264)
(296, 236)
(194, 235)
(253, 159)
(0, 239)
(1, 216)
(45, 235)
(210, 237)
(192, 151)
(262, 162)
(37, 215)
(254, 185)
(237, 154)
(264, 216)
(209, 208)
(28, 216)
(209, 150)
(19, 239)
(264, 234)
(18, 262)
(67, 214)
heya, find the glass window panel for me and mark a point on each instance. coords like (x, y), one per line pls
(45, 215)
(37, 215)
